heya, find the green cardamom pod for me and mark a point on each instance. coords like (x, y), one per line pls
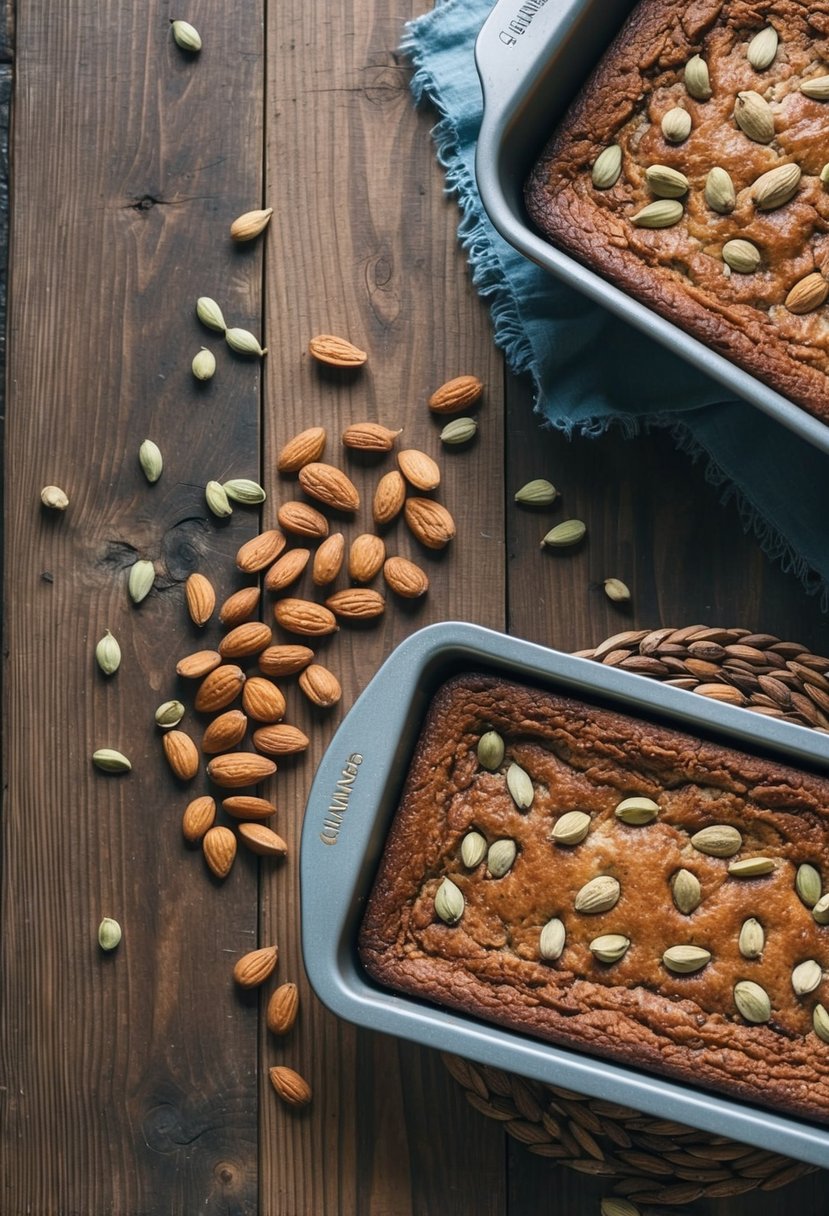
(751, 867)
(141, 579)
(777, 187)
(719, 840)
(806, 977)
(665, 182)
(54, 498)
(607, 167)
(720, 194)
(686, 891)
(664, 213)
(551, 940)
(570, 828)
(108, 654)
(473, 850)
(821, 910)
(753, 115)
(762, 49)
(149, 457)
(210, 314)
(683, 960)
(490, 750)
(168, 714)
(109, 933)
(204, 364)
(217, 500)
(243, 342)
(817, 88)
(568, 533)
(610, 947)
(599, 895)
(824, 175)
(752, 938)
(500, 857)
(520, 786)
(611, 1206)
(186, 36)
(449, 902)
(616, 590)
(676, 125)
(820, 1022)
(241, 489)
(110, 761)
(637, 810)
(808, 884)
(741, 256)
(752, 1001)
(458, 431)
(697, 80)
(537, 493)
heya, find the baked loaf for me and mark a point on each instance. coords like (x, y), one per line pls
(561, 888)
(657, 179)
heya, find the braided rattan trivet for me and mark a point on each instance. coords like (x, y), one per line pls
(654, 1160)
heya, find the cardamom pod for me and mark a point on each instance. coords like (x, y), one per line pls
(752, 1001)
(210, 314)
(520, 786)
(751, 867)
(449, 902)
(753, 115)
(110, 761)
(820, 1022)
(473, 850)
(720, 194)
(821, 910)
(686, 891)
(683, 960)
(537, 493)
(607, 167)
(109, 933)
(664, 213)
(824, 175)
(186, 36)
(168, 714)
(108, 654)
(54, 498)
(599, 895)
(551, 940)
(568, 533)
(752, 938)
(149, 457)
(570, 828)
(665, 182)
(741, 256)
(676, 125)
(611, 1206)
(616, 590)
(637, 810)
(610, 947)
(718, 840)
(762, 49)
(500, 857)
(217, 500)
(243, 342)
(817, 88)
(241, 489)
(808, 884)
(776, 187)
(204, 364)
(806, 977)
(490, 750)
(458, 431)
(141, 579)
(248, 226)
(697, 80)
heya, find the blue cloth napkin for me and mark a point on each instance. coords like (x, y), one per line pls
(778, 481)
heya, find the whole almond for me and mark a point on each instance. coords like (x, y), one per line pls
(286, 569)
(301, 449)
(328, 559)
(280, 740)
(260, 551)
(200, 663)
(337, 352)
(246, 639)
(253, 969)
(284, 660)
(301, 520)
(237, 769)
(248, 226)
(219, 688)
(356, 603)
(456, 395)
(369, 437)
(246, 806)
(224, 732)
(320, 686)
(808, 294)
(304, 617)
(262, 699)
(219, 848)
(405, 578)
(239, 607)
(291, 1087)
(419, 469)
(283, 1008)
(198, 818)
(200, 597)
(182, 754)
(389, 497)
(429, 522)
(329, 485)
(262, 841)
(365, 557)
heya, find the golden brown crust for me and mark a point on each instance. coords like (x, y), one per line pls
(679, 271)
(636, 1011)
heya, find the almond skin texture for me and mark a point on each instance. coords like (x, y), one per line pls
(419, 469)
(301, 520)
(284, 660)
(239, 607)
(263, 700)
(201, 663)
(200, 597)
(224, 732)
(291, 1087)
(182, 754)
(356, 604)
(261, 551)
(237, 769)
(283, 1008)
(337, 352)
(219, 688)
(245, 640)
(389, 497)
(369, 437)
(245, 806)
(198, 818)
(304, 617)
(253, 969)
(429, 522)
(329, 485)
(405, 578)
(366, 557)
(219, 848)
(320, 686)
(280, 740)
(328, 560)
(301, 449)
(262, 841)
(456, 395)
(286, 569)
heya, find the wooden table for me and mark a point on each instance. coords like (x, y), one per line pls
(137, 1083)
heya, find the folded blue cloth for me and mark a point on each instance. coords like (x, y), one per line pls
(777, 480)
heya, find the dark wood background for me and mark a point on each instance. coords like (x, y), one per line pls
(136, 1084)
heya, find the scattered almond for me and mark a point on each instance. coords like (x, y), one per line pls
(253, 969)
(198, 818)
(301, 449)
(338, 352)
(237, 769)
(808, 294)
(284, 660)
(280, 740)
(429, 522)
(248, 226)
(262, 841)
(456, 395)
(369, 437)
(356, 603)
(286, 569)
(419, 469)
(246, 806)
(246, 639)
(200, 597)
(329, 485)
(405, 578)
(224, 732)
(320, 686)
(219, 688)
(219, 848)
(291, 1087)
(389, 497)
(328, 559)
(201, 663)
(239, 607)
(283, 1008)
(260, 551)
(182, 754)
(262, 699)
(304, 617)
(365, 557)
(302, 520)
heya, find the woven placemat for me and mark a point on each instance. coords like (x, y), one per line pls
(656, 1161)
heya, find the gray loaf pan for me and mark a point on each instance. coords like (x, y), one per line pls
(353, 799)
(532, 56)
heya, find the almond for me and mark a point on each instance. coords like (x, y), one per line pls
(328, 559)
(281, 740)
(239, 607)
(200, 597)
(194, 666)
(261, 551)
(456, 394)
(248, 226)
(291, 1087)
(356, 603)
(302, 520)
(284, 660)
(283, 1008)
(320, 686)
(301, 449)
(327, 348)
(182, 754)
(388, 497)
(246, 806)
(365, 557)
(369, 437)
(808, 294)
(263, 700)
(262, 841)
(419, 469)
(253, 969)
(286, 569)
(224, 732)
(246, 639)
(219, 848)
(405, 578)
(219, 688)
(237, 769)
(430, 522)
(329, 485)
(304, 617)
(198, 818)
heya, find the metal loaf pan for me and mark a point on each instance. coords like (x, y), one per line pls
(532, 56)
(353, 799)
